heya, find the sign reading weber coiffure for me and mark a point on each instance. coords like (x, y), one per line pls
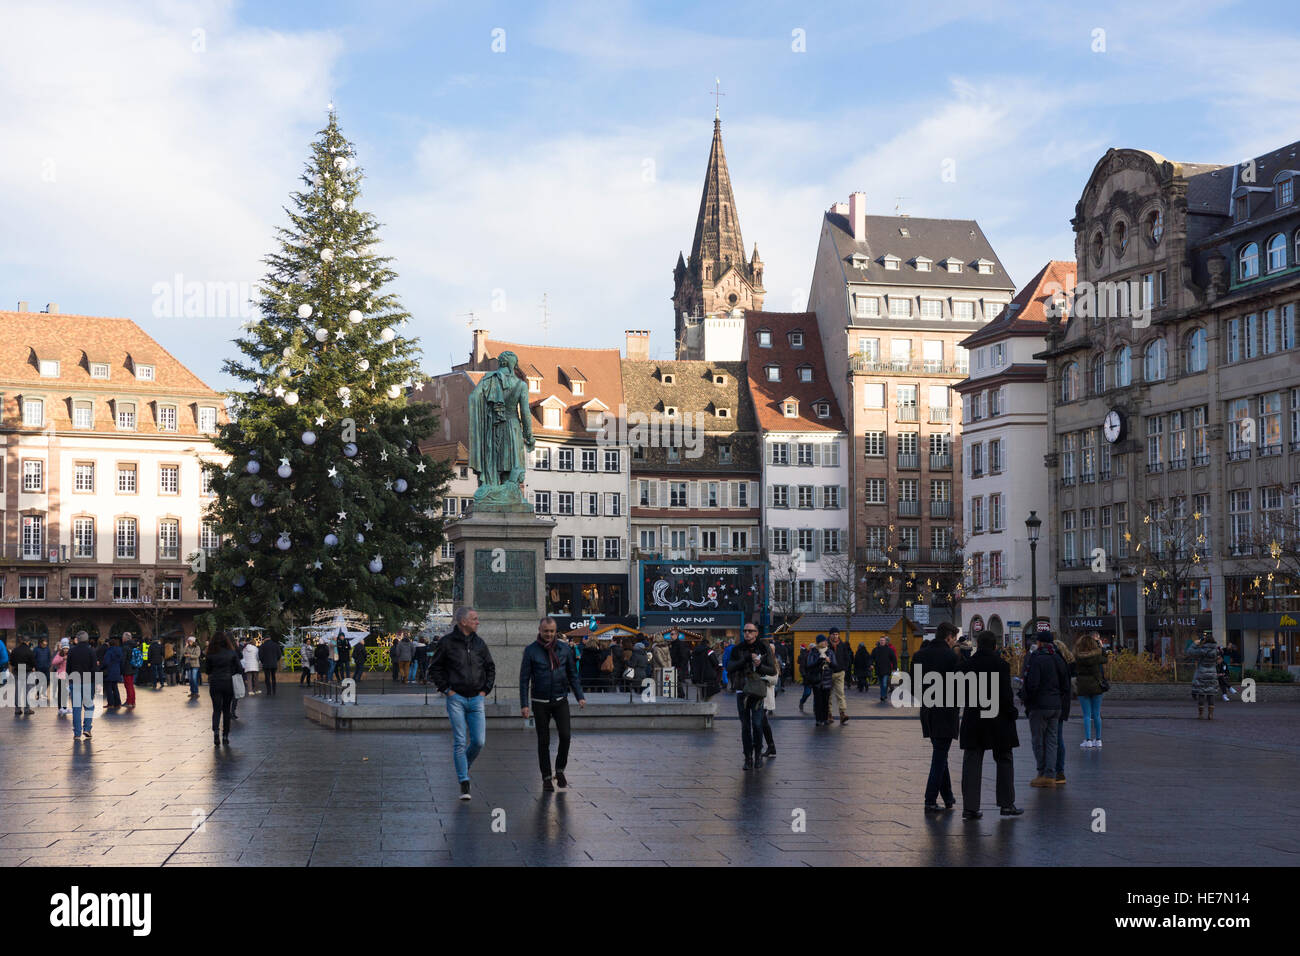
(685, 594)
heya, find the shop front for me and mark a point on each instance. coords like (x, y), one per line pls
(591, 600)
(1263, 622)
(1098, 607)
(712, 598)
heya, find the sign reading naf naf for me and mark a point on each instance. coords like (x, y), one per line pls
(684, 594)
(505, 586)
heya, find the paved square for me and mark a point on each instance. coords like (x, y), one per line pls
(290, 793)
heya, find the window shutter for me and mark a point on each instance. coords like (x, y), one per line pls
(816, 454)
(771, 496)
(811, 553)
(753, 493)
(791, 453)
(767, 449)
(724, 494)
(664, 498)
(692, 494)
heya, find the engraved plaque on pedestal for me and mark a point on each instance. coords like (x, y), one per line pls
(505, 579)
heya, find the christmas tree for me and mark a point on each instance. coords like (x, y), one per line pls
(327, 501)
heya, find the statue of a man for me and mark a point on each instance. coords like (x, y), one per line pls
(500, 435)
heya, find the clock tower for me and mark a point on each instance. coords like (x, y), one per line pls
(717, 277)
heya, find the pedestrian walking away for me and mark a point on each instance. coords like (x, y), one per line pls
(984, 729)
(82, 666)
(769, 702)
(820, 666)
(112, 664)
(132, 661)
(1090, 678)
(251, 665)
(269, 655)
(547, 675)
(463, 671)
(223, 663)
(23, 662)
(862, 667)
(44, 661)
(885, 661)
(843, 668)
(1047, 698)
(1205, 681)
(60, 667)
(749, 663)
(939, 723)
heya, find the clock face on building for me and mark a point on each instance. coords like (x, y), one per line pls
(1113, 426)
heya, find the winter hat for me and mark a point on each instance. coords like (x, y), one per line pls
(64, 643)
(821, 638)
(1046, 637)
(638, 646)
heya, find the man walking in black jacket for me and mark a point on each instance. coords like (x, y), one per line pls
(1047, 699)
(81, 668)
(750, 661)
(463, 670)
(885, 661)
(547, 673)
(680, 653)
(23, 661)
(938, 723)
(268, 655)
(984, 729)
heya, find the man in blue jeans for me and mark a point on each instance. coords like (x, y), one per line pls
(80, 668)
(463, 671)
(885, 661)
(751, 657)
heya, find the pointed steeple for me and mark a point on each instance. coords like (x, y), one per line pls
(717, 228)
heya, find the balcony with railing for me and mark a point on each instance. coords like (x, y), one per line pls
(1155, 467)
(1267, 451)
(940, 509)
(909, 509)
(941, 555)
(1087, 478)
(1178, 464)
(1067, 481)
(941, 461)
(1068, 564)
(909, 555)
(1104, 474)
(699, 553)
(1199, 461)
(1239, 454)
(871, 555)
(865, 363)
(940, 415)
(907, 413)
(909, 461)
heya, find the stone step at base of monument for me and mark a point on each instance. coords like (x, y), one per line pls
(410, 712)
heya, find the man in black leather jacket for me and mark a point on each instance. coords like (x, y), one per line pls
(462, 669)
(547, 673)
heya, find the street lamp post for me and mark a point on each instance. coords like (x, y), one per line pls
(1032, 524)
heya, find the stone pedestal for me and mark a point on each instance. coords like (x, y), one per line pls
(500, 571)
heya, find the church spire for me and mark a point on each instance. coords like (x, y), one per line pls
(717, 228)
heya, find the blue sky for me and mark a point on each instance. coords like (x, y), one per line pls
(570, 164)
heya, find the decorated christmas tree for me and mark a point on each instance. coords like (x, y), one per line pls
(327, 500)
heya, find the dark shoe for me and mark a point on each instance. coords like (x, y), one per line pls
(758, 760)
(225, 739)
(560, 782)
(770, 753)
(949, 804)
(547, 785)
(801, 703)
(1060, 778)
(464, 789)
(234, 716)
(27, 711)
(749, 763)
(844, 718)
(933, 808)
(971, 814)
(86, 735)
(1011, 811)
(216, 740)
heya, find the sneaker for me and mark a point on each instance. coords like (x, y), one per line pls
(844, 718)
(1086, 744)
(758, 760)
(27, 711)
(770, 753)
(1042, 781)
(86, 735)
(464, 789)
(933, 808)
(560, 782)
(547, 785)
(76, 736)
(749, 763)
(1060, 778)
(801, 703)
(971, 814)
(1097, 742)
(1011, 811)
(1225, 696)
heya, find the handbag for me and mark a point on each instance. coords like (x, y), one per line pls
(607, 665)
(237, 681)
(755, 686)
(629, 674)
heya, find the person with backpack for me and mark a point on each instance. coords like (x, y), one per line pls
(132, 662)
(807, 681)
(885, 661)
(705, 665)
(749, 663)
(112, 668)
(154, 658)
(1046, 696)
(862, 667)
(1090, 671)
(820, 666)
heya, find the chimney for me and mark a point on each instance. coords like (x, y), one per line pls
(638, 345)
(480, 347)
(52, 308)
(858, 216)
(22, 306)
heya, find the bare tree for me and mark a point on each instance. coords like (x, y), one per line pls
(155, 609)
(1169, 556)
(842, 571)
(786, 568)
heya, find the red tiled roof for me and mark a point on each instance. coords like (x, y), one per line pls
(1026, 315)
(768, 396)
(601, 374)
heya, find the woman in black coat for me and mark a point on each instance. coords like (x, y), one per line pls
(982, 729)
(862, 667)
(223, 663)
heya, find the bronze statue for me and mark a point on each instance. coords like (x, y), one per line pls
(500, 437)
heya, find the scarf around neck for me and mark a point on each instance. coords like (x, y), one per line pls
(549, 648)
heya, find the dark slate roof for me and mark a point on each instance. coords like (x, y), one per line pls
(936, 239)
(860, 622)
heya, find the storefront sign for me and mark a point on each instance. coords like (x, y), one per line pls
(682, 589)
(692, 620)
(1169, 622)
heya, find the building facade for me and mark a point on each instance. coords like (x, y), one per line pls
(104, 433)
(805, 465)
(1004, 432)
(894, 297)
(1189, 389)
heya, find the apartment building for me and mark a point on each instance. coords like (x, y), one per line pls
(1004, 432)
(104, 432)
(805, 463)
(1193, 407)
(894, 298)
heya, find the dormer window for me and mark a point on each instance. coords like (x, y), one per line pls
(772, 373)
(99, 370)
(577, 387)
(49, 368)
(952, 265)
(923, 263)
(823, 409)
(866, 306)
(144, 373)
(903, 231)
(796, 340)
(534, 385)
(859, 261)
(790, 409)
(551, 418)
(984, 267)
(126, 415)
(764, 338)
(892, 263)
(1285, 191)
(670, 411)
(724, 413)
(1241, 208)
(719, 380)
(805, 373)
(667, 378)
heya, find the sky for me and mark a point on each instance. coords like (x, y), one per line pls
(556, 151)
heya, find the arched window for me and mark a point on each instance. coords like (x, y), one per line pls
(1195, 348)
(1099, 246)
(1119, 238)
(1123, 366)
(1154, 225)
(1276, 253)
(1070, 382)
(1295, 256)
(1098, 374)
(1155, 361)
(1248, 261)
